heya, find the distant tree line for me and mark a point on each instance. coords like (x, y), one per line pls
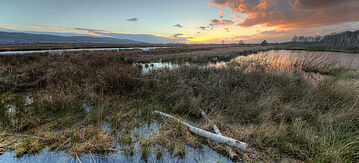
(307, 39)
(341, 40)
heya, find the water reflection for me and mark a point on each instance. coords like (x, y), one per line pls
(311, 65)
(60, 51)
(144, 130)
(289, 59)
(146, 68)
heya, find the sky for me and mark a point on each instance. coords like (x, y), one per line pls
(182, 21)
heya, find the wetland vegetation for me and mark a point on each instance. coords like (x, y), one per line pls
(92, 102)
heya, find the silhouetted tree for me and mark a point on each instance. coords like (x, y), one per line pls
(301, 39)
(295, 38)
(264, 43)
(317, 38)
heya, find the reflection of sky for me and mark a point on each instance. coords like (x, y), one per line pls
(147, 68)
(60, 51)
(205, 154)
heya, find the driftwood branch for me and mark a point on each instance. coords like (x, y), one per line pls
(229, 150)
(215, 137)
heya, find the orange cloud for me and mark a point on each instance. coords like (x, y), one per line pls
(221, 13)
(293, 13)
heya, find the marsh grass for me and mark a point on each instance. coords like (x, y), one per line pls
(281, 115)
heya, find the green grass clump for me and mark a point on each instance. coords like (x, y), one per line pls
(128, 150)
(18, 116)
(145, 148)
(159, 153)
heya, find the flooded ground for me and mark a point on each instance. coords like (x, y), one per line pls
(59, 51)
(145, 130)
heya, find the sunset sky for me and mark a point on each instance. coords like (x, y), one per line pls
(182, 21)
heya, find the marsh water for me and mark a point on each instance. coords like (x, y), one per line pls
(145, 130)
(277, 61)
(59, 51)
(285, 58)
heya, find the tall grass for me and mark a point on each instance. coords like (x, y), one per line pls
(282, 114)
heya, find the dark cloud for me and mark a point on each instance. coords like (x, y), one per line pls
(132, 19)
(204, 28)
(178, 25)
(214, 22)
(89, 30)
(293, 13)
(319, 4)
(149, 38)
(177, 34)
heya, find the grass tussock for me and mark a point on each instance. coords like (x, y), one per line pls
(172, 136)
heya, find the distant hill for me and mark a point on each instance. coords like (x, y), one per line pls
(26, 38)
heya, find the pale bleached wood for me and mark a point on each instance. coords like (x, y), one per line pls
(215, 137)
(229, 150)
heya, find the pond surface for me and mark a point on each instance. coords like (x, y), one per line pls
(59, 51)
(145, 130)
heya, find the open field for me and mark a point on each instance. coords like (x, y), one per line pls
(87, 103)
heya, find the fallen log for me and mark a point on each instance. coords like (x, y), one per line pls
(229, 150)
(215, 137)
(215, 128)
